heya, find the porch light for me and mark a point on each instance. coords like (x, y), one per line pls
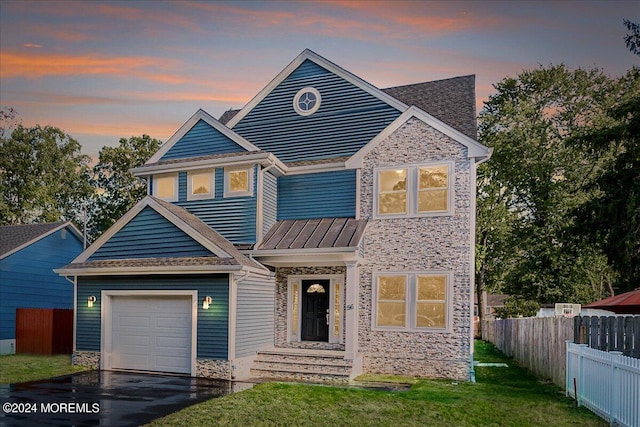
(90, 301)
(205, 302)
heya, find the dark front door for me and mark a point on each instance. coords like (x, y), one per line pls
(315, 310)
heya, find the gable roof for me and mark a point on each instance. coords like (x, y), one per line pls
(309, 55)
(224, 255)
(14, 238)
(475, 149)
(452, 101)
(186, 127)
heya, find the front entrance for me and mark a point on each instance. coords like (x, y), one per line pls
(315, 310)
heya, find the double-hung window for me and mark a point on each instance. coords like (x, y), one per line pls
(412, 301)
(419, 190)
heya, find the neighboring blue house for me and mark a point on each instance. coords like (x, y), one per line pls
(28, 255)
(324, 230)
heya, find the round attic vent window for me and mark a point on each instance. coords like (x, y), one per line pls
(307, 101)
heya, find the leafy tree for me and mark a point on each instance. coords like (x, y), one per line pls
(611, 218)
(632, 40)
(535, 180)
(515, 306)
(43, 176)
(117, 190)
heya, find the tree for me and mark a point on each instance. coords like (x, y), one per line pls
(632, 40)
(43, 176)
(611, 219)
(534, 181)
(117, 190)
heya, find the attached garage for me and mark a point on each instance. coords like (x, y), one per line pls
(150, 330)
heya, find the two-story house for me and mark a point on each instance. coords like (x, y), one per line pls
(324, 230)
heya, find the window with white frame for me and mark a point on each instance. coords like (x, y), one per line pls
(419, 190)
(412, 301)
(238, 181)
(200, 185)
(165, 187)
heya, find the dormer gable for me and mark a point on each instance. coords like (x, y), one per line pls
(201, 135)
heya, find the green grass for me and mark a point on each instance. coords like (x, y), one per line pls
(501, 397)
(20, 368)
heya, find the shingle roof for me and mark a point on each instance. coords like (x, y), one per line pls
(314, 234)
(153, 262)
(227, 115)
(452, 101)
(14, 236)
(208, 157)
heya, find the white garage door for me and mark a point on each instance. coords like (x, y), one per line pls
(151, 333)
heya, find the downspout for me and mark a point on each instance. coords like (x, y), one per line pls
(74, 282)
(472, 275)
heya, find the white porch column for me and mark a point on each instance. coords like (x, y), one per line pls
(351, 304)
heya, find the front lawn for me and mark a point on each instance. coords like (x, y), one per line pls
(501, 397)
(18, 368)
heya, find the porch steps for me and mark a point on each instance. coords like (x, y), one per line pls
(288, 364)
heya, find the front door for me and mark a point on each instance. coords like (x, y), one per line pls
(315, 310)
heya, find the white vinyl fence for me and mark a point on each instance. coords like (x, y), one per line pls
(607, 383)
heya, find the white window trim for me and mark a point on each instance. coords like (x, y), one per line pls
(411, 301)
(333, 280)
(174, 198)
(413, 190)
(250, 173)
(212, 185)
(313, 109)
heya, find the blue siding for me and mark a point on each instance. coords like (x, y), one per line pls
(213, 324)
(27, 279)
(233, 217)
(202, 140)
(149, 235)
(269, 202)
(318, 195)
(347, 119)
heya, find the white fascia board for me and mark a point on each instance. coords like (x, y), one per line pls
(132, 213)
(265, 159)
(69, 224)
(121, 271)
(474, 148)
(317, 260)
(124, 220)
(323, 167)
(330, 66)
(186, 127)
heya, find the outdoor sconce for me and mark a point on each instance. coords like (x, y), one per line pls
(205, 303)
(90, 301)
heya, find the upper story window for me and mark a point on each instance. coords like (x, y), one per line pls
(165, 187)
(238, 182)
(408, 191)
(200, 185)
(307, 101)
(412, 301)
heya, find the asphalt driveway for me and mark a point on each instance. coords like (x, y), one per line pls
(104, 398)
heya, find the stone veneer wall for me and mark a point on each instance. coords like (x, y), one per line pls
(438, 243)
(212, 368)
(282, 273)
(90, 359)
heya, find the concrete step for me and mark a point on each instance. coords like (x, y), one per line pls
(285, 364)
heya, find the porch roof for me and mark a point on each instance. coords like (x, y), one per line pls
(320, 233)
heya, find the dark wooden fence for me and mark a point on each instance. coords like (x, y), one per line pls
(44, 331)
(613, 333)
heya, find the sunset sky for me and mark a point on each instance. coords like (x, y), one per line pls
(105, 70)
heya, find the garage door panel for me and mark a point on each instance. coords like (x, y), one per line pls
(156, 338)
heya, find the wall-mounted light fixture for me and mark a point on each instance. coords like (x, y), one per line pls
(206, 301)
(90, 301)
